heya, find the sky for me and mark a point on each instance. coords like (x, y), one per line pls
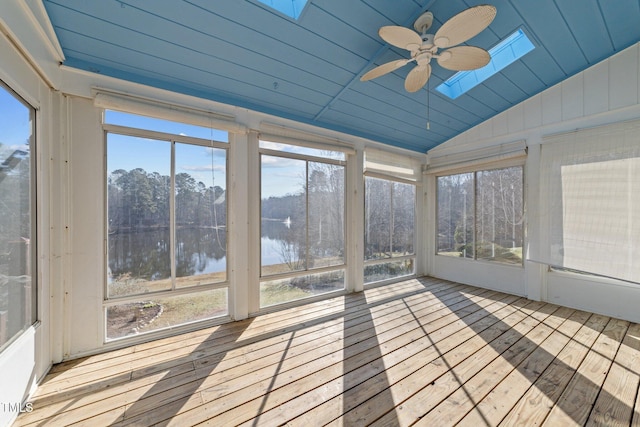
(204, 164)
(280, 175)
(15, 126)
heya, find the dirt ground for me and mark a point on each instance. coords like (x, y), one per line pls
(131, 318)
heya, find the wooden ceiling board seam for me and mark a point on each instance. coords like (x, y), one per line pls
(297, 36)
(423, 146)
(411, 104)
(377, 121)
(502, 86)
(163, 64)
(593, 36)
(539, 61)
(223, 45)
(247, 92)
(622, 18)
(520, 75)
(540, 46)
(337, 31)
(415, 116)
(193, 60)
(395, 12)
(294, 54)
(330, 89)
(571, 31)
(366, 131)
(193, 90)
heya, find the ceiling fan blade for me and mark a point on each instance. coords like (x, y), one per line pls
(417, 78)
(463, 58)
(464, 25)
(384, 69)
(401, 37)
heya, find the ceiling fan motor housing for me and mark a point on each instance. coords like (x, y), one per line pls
(427, 41)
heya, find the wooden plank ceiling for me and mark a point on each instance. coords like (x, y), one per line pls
(244, 53)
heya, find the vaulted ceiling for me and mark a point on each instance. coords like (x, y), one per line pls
(244, 53)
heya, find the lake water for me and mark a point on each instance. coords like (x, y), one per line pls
(145, 254)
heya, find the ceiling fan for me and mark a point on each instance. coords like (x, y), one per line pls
(423, 46)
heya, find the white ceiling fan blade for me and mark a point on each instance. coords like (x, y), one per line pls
(401, 37)
(417, 78)
(384, 69)
(464, 25)
(463, 58)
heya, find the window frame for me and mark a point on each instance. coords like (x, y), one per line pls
(474, 172)
(174, 291)
(34, 300)
(307, 158)
(391, 259)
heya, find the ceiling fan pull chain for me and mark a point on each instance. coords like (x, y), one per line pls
(428, 121)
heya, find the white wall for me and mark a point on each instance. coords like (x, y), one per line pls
(607, 92)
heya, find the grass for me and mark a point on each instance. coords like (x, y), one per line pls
(189, 308)
(280, 291)
(502, 254)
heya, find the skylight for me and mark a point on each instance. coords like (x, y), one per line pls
(292, 8)
(504, 53)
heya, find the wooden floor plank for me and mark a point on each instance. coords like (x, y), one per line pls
(255, 353)
(273, 321)
(355, 354)
(367, 402)
(575, 403)
(253, 375)
(616, 399)
(497, 404)
(138, 365)
(415, 397)
(534, 405)
(260, 354)
(472, 390)
(424, 351)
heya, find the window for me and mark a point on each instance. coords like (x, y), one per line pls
(17, 215)
(291, 8)
(503, 54)
(167, 236)
(480, 215)
(302, 222)
(389, 229)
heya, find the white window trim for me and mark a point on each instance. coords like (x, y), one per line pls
(287, 135)
(111, 100)
(494, 157)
